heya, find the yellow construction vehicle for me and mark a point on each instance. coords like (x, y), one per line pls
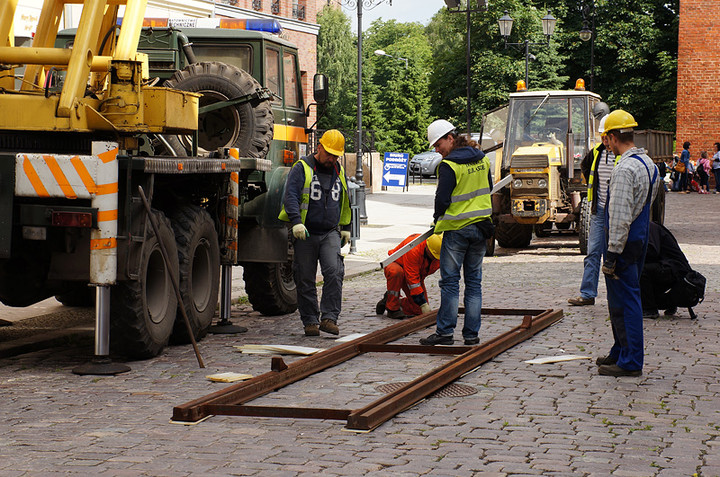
(85, 125)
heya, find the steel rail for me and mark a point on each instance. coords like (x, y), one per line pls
(231, 400)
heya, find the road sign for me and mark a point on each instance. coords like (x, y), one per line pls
(395, 169)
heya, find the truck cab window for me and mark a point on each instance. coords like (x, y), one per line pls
(237, 56)
(292, 98)
(272, 73)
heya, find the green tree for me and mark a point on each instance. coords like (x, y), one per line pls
(395, 91)
(336, 58)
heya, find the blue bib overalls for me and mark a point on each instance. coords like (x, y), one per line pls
(624, 302)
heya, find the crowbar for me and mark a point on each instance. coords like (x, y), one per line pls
(410, 245)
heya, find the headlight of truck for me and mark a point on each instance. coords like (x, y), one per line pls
(542, 183)
(517, 183)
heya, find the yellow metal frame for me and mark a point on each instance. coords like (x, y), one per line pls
(115, 76)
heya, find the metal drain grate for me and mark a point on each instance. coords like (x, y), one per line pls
(451, 390)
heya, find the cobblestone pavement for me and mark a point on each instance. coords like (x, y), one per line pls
(555, 419)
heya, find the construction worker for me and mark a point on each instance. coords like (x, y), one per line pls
(462, 211)
(408, 273)
(596, 167)
(633, 187)
(316, 203)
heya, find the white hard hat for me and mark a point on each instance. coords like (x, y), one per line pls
(601, 127)
(438, 129)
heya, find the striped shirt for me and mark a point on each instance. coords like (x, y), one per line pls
(605, 165)
(629, 185)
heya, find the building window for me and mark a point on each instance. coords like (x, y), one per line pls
(298, 9)
(275, 7)
(257, 4)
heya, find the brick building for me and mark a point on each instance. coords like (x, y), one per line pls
(698, 91)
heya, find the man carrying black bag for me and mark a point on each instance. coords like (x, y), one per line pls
(667, 280)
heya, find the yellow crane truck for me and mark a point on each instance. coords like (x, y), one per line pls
(544, 137)
(111, 106)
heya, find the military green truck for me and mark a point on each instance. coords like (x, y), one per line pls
(215, 189)
(544, 137)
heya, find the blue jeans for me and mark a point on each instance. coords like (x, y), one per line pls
(591, 263)
(464, 248)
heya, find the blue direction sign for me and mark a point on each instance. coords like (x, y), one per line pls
(395, 169)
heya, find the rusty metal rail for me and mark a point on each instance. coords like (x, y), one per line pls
(232, 399)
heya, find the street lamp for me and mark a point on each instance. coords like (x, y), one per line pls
(359, 4)
(505, 23)
(399, 58)
(588, 33)
(455, 6)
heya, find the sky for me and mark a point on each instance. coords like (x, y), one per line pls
(401, 10)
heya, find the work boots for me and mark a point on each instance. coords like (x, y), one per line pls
(380, 306)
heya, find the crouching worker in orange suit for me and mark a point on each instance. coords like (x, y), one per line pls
(408, 273)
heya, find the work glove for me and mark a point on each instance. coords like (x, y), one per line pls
(300, 232)
(344, 238)
(608, 267)
(425, 308)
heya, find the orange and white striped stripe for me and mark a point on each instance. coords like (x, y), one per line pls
(231, 213)
(92, 177)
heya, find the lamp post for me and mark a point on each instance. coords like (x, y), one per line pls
(506, 22)
(360, 4)
(589, 34)
(456, 6)
(399, 58)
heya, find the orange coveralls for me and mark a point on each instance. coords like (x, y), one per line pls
(408, 273)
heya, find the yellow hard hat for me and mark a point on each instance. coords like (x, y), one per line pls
(334, 142)
(434, 242)
(619, 120)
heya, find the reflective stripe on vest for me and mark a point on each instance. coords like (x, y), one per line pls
(470, 201)
(345, 213)
(593, 168)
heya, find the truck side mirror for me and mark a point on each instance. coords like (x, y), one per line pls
(320, 89)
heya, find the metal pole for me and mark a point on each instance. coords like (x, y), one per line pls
(467, 74)
(358, 144)
(592, 50)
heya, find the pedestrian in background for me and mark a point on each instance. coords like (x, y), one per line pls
(703, 171)
(408, 273)
(685, 168)
(633, 186)
(596, 166)
(716, 167)
(316, 203)
(462, 213)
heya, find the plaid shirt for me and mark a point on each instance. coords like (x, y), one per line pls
(629, 185)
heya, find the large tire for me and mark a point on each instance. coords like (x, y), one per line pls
(247, 126)
(143, 311)
(658, 206)
(584, 225)
(513, 235)
(270, 287)
(199, 257)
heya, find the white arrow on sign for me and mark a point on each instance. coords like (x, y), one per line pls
(394, 177)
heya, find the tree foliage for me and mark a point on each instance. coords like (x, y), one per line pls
(635, 64)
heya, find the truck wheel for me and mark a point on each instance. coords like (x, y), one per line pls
(199, 257)
(513, 235)
(247, 126)
(584, 225)
(270, 287)
(658, 206)
(142, 311)
(490, 247)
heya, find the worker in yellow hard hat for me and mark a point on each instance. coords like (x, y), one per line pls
(408, 274)
(633, 187)
(317, 206)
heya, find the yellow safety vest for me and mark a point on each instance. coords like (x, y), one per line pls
(305, 197)
(470, 200)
